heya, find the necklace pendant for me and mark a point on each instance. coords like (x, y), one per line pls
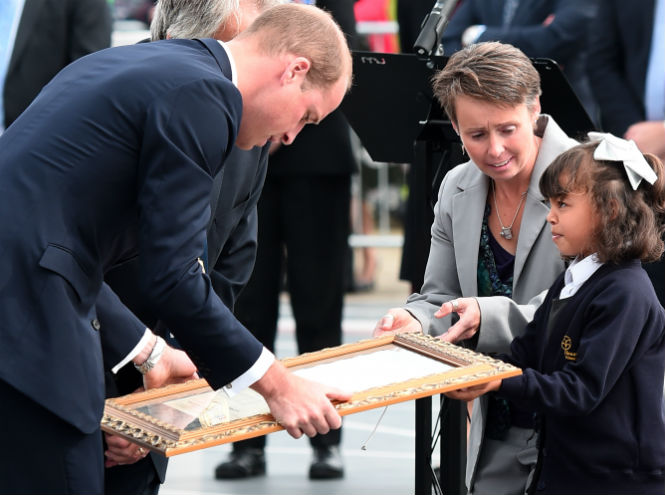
(506, 233)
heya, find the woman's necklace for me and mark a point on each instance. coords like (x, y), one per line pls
(507, 232)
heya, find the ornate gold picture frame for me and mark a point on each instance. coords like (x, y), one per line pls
(181, 418)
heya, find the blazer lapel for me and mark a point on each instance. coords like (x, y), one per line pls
(534, 218)
(468, 209)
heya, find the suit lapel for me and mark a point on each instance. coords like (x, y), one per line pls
(468, 213)
(534, 218)
(31, 10)
(468, 209)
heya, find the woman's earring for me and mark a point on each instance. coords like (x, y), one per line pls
(463, 149)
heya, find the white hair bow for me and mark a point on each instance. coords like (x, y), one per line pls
(616, 149)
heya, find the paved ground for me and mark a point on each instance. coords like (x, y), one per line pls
(386, 467)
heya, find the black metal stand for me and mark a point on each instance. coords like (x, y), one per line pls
(423, 474)
(453, 447)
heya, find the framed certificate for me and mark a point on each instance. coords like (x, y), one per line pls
(386, 370)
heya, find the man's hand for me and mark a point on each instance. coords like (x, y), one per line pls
(649, 136)
(173, 367)
(299, 405)
(397, 320)
(470, 393)
(469, 318)
(121, 451)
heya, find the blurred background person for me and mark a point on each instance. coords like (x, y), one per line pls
(304, 224)
(133, 10)
(627, 73)
(556, 29)
(40, 37)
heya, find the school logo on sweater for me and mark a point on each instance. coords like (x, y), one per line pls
(566, 344)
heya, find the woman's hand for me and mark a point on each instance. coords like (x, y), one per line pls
(469, 318)
(396, 320)
(470, 393)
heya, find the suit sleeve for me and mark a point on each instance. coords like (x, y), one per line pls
(502, 319)
(463, 17)
(120, 330)
(560, 40)
(186, 137)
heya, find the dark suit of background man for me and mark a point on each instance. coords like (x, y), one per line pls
(556, 29)
(304, 223)
(49, 35)
(115, 159)
(627, 73)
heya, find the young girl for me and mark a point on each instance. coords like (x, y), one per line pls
(594, 355)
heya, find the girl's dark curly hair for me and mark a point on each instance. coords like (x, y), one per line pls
(631, 222)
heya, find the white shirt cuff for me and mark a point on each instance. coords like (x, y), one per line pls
(253, 374)
(147, 335)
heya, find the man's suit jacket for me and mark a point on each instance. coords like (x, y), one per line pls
(563, 40)
(560, 40)
(232, 233)
(231, 239)
(114, 159)
(452, 265)
(618, 61)
(50, 35)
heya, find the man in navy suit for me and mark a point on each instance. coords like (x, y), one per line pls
(115, 159)
(627, 73)
(555, 29)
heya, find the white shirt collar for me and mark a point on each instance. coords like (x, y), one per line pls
(232, 62)
(578, 272)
